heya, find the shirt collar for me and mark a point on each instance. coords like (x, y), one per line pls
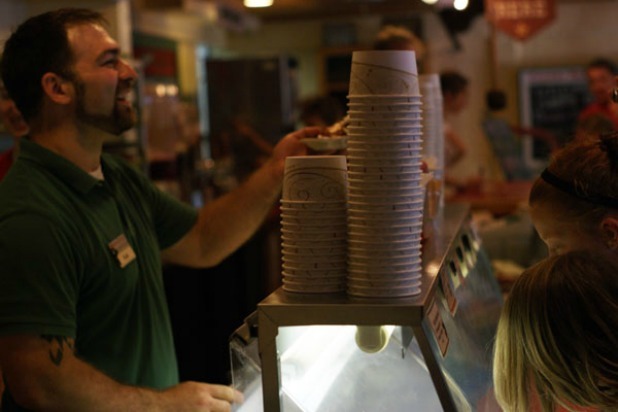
(58, 165)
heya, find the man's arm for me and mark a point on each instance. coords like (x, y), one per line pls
(43, 374)
(226, 223)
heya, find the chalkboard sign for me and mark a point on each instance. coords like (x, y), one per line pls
(551, 98)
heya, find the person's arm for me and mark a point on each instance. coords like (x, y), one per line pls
(543, 135)
(227, 222)
(254, 137)
(44, 374)
(455, 147)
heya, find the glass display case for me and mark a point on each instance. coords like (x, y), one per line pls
(431, 352)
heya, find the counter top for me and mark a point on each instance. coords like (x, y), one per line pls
(499, 198)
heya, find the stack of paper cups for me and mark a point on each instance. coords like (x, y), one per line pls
(314, 226)
(385, 195)
(433, 141)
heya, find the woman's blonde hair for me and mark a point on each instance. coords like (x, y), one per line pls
(558, 335)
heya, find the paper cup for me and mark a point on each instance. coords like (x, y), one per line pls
(289, 235)
(380, 171)
(383, 72)
(384, 207)
(386, 107)
(314, 178)
(384, 99)
(328, 206)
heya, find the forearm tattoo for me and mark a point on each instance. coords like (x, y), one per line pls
(58, 344)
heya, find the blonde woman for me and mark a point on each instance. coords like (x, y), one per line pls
(557, 341)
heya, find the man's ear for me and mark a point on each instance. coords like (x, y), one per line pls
(58, 89)
(609, 230)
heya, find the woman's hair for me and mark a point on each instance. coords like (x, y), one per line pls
(393, 37)
(38, 46)
(558, 335)
(321, 111)
(589, 171)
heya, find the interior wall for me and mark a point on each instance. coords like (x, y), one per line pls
(580, 32)
(300, 39)
(13, 12)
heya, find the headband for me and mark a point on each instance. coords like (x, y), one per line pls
(569, 188)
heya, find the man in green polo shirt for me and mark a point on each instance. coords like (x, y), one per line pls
(83, 318)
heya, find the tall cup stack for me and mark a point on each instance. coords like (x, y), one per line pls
(313, 224)
(385, 195)
(433, 141)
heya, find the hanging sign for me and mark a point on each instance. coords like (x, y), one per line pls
(520, 18)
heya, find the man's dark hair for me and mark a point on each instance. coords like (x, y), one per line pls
(452, 82)
(603, 63)
(327, 108)
(40, 45)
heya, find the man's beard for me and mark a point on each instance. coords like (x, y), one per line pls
(121, 119)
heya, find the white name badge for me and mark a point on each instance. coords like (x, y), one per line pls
(122, 251)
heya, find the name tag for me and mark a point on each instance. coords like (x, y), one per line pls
(122, 250)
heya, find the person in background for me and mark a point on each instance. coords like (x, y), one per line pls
(392, 37)
(455, 92)
(555, 347)
(84, 324)
(505, 138)
(322, 111)
(455, 89)
(601, 75)
(592, 126)
(14, 125)
(574, 203)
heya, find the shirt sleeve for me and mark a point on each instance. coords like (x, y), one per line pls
(38, 279)
(172, 218)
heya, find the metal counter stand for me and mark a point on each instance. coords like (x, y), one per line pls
(430, 352)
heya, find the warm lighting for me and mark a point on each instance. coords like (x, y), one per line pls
(258, 3)
(160, 90)
(430, 1)
(171, 90)
(460, 4)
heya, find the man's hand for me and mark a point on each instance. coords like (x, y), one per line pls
(290, 145)
(200, 397)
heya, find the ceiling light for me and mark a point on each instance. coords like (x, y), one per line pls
(460, 4)
(258, 3)
(430, 1)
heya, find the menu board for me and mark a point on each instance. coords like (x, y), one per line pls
(551, 98)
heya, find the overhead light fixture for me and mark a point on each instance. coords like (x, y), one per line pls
(460, 4)
(257, 3)
(430, 1)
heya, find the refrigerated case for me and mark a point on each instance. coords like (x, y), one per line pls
(431, 352)
(251, 105)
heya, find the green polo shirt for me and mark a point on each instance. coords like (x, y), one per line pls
(58, 275)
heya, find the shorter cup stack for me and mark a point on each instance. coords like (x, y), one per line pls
(385, 193)
(433, 142)
(313, 224)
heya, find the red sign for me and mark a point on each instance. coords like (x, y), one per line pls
(520, 18)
